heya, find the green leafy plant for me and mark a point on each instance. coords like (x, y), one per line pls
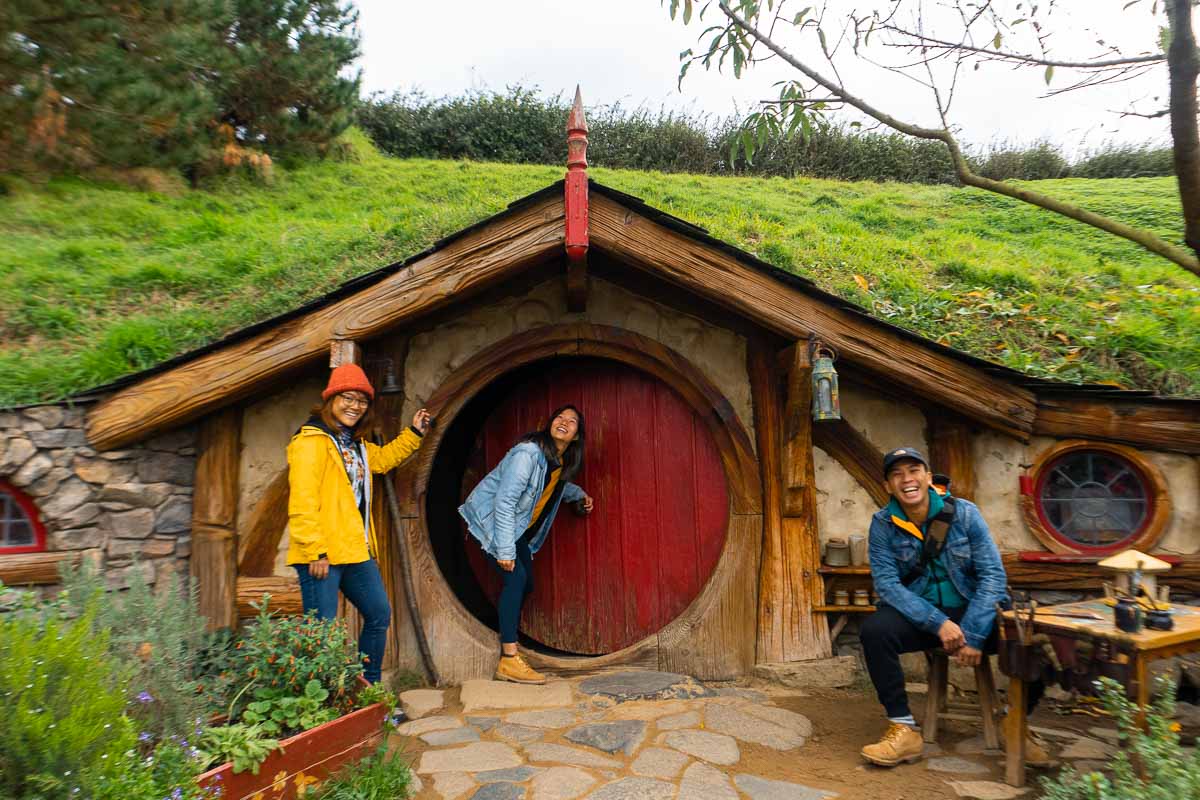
(282, 655)
(245, 745)
(383, 776)
(62, 700)
(1165, 770)
(161, 638)
(276, 713)
(376, 693)
(169, 773)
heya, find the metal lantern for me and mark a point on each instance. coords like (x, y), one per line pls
(825, 403)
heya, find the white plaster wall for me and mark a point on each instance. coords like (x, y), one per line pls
(886, 423)
(1000, 461)
(843, 507)
(718, 353)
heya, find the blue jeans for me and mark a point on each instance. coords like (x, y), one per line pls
(517, 586)
(363, 586)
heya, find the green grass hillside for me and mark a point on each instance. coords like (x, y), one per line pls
(99, 280)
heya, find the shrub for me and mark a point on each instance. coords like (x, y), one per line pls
(1166, 771)
(160, 637)
(168, 773)
(61, 702)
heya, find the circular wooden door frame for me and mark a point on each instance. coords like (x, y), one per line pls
(602, 341)
(1158, 503)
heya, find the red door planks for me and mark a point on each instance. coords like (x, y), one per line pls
(608, 580)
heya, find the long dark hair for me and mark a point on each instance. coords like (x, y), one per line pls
(572, 457)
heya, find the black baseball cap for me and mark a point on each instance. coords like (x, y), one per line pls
(901, 453)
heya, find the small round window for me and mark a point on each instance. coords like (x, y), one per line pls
(1095, 498)
(20, 529)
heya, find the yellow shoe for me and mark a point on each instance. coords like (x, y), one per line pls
(900, 743)
(516, 669)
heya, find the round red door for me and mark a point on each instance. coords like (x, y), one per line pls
(610, 579)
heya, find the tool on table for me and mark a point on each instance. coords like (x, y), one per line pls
(1073, 614)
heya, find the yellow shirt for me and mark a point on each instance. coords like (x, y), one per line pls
(545, 498)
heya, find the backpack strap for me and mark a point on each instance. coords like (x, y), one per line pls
(934, 541)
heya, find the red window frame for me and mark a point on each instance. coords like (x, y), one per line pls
(26, 504)
(1148, 532)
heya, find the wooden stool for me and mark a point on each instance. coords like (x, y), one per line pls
(935, 701)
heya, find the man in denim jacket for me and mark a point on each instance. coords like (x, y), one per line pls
(946, 600)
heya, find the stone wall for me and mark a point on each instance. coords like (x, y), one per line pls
(117, 506)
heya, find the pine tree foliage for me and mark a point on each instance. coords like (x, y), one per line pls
(171, 83)
(288, 90)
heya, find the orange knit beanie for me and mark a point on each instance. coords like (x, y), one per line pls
(348, 378)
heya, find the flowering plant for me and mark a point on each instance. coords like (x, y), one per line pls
(279, 656)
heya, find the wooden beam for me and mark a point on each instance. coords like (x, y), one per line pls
(790, 312)
(344, 351)
(577, 284)
(214, 517)
(1157, 425)
(950, 452)
(285, 596)
(258, 546)
(788, 630)
(475, 261)
(1184, 576)
(34, 569)
(855, 453)
(797, 424)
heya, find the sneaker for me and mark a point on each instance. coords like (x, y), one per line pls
(900, 743)
(516, 669)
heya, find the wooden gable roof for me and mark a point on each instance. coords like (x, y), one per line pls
(530, 232)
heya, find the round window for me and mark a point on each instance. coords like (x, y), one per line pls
(20, 529)
(1095, 498)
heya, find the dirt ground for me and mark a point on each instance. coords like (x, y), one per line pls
(843, 721)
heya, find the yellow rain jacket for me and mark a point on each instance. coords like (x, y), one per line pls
(322, 514)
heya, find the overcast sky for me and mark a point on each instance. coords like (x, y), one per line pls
(628, 50)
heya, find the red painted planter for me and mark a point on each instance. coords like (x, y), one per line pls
(305, 759)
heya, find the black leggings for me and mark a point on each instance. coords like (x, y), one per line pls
(517, 586)
(887, 633)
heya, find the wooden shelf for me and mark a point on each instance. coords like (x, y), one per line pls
(827, 570)
(845, 609)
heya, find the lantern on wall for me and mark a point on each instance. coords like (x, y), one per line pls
(825, 403)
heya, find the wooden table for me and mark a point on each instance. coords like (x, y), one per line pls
(1136, 650)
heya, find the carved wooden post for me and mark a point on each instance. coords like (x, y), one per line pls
(788, 628)
(576, 206)
(950, 451)
(214, 517)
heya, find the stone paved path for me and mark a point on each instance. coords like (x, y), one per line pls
(640, 736)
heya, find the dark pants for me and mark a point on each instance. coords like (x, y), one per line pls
(887, 633)
(363, 586)
(518, 584)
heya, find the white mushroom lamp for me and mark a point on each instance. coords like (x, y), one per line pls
(1134, 568)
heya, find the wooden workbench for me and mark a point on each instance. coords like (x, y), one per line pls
(1140, 649)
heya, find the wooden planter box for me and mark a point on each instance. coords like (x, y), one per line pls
(305, 759)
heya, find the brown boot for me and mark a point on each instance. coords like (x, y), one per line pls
(514, 668)
(1036, 755)
(900, 743)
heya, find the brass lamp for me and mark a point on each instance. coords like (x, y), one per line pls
(825, 402)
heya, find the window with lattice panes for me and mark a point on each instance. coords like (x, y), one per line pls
(21, 530)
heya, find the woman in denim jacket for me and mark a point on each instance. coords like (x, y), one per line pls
(510, 513)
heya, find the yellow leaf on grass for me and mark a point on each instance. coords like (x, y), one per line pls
(862, 282)
(1000, 346)
(1062, 337)
(973, 294)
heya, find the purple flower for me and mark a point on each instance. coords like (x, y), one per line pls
(177, 793)
(145, 697)
(145, 736)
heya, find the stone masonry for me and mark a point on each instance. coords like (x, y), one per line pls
(116, 506)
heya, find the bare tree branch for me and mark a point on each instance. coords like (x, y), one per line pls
(962, 169)
(1024, 58)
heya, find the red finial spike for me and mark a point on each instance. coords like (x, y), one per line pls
(577, 189)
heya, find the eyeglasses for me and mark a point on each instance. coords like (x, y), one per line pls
(354, 402)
